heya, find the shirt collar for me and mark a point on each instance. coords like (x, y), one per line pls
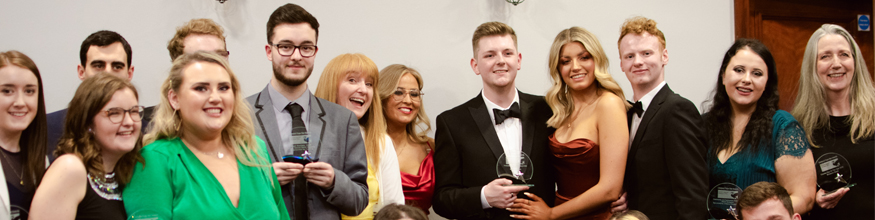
(491, 105)
(647, 98)
(280, 102)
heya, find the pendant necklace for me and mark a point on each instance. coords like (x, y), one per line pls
(217, 154)
(20, 178)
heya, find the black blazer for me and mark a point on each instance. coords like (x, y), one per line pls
(666, 172)
(467, 149)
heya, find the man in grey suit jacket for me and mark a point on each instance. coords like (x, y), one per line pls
(337, 183)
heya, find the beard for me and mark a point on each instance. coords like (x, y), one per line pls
(278, 74)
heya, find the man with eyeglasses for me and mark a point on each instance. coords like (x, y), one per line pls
(315, 145)
(102, 52)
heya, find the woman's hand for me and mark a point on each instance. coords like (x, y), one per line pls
(830, 201)
(531, 209)
(619, 205)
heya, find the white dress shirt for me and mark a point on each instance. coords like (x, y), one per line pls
(645, 101)
(510, 134)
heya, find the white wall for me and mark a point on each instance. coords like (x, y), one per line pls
(431, 36)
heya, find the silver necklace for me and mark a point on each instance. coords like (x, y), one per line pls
(106, 187)
(218, 153)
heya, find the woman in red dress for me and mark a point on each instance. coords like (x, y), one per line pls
(407, 124)
(591, 138)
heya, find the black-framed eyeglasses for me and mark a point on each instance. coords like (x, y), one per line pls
(289, 49)
(117, 115)
(415, 94)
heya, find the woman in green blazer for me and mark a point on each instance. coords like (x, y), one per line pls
(202, 160)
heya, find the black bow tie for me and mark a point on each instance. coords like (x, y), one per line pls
(637, 108)
(512, 112)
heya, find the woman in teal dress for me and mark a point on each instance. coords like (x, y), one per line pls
(202, 160)
(750, 139)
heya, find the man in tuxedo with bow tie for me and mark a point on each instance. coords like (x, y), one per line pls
(666, 173)
(471, 137)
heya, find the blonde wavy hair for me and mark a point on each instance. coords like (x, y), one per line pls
(393, 73)
(373, 122)
(811, 101)
(239, 133)
(557, 96)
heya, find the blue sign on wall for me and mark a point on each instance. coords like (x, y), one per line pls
(864, 23)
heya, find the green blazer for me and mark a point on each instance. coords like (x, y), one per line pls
(174, 184)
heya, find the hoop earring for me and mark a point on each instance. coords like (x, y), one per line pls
(178, 119)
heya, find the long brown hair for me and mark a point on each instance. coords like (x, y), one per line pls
(33, 138)
(88, 101)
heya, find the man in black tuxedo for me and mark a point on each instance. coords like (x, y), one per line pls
(471, 137)
(666, 173)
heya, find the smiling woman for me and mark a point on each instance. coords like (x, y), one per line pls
(836, 106)
(22, 132)
(749, 139)
(350, 80)
(97, 153)
(202, 142)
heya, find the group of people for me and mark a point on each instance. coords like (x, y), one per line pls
(359, 143)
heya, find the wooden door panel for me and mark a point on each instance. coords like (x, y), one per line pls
(787, 46)
(786, 25)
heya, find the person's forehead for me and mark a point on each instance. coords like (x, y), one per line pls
(111, 52)
(294, 33)
(202, 71)
(202, 42)
(766, 210)
(496, 42)
(641, 40)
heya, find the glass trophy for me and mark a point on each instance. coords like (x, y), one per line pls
(521, 174)
(146, 214)
(833, 172)
(721, 201)
(17, 212)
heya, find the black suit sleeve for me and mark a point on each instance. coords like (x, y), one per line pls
(685, 159)
(452, 199)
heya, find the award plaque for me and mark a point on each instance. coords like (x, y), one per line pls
(833, 172)
(518, 174)
(721, 201)
(17, 212)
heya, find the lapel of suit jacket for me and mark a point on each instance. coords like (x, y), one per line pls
(266, 117)
(487, 128)
(317, 125)
(4, 195)
(652, 110)
(526, 120)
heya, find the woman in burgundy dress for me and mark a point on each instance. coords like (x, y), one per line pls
(408, 125)
(591, 138)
